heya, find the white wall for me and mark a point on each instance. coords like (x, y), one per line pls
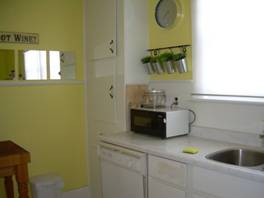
(135, 40)
(240, 117)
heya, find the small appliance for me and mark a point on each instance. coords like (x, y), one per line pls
(154, 98)
(163, 123)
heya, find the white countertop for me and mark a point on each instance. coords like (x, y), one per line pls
(172, 149)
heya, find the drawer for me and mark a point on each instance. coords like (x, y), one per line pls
(197, 196)
(222, 185)
(158, 189)
(167, 170)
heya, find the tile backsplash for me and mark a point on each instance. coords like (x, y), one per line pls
(134, 94)
(134, 97)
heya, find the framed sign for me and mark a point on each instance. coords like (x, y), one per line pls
(19, 37)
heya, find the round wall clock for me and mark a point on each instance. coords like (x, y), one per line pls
(166, 13)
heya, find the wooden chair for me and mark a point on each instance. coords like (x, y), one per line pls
(13, 161)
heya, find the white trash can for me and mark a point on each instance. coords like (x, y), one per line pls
(46, 186)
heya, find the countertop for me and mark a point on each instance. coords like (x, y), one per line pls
(172, 149)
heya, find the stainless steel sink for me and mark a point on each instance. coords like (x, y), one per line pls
(239, 157)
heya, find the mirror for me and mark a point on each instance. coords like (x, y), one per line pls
(166, 13)
(7, 64)
(37, 65)
(46, 65)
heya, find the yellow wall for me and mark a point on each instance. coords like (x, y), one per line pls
(47, 120)
(58, 23)
(180, 34)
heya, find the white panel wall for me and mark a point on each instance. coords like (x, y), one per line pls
(241, 117)
(135, 40)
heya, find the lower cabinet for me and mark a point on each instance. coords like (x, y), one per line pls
(197, 196)
(159, 189)
(173, 179)
(169, 179)
(166, 178)
(220, 185)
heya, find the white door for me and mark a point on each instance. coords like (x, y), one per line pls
(119, 182)
(101, 110)
(197, 196)
(104, 108)
(103, 90)
(102, 22)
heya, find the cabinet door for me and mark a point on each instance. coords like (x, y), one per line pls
(102, 21)
(197, 196)
(168, 171)
(101, 112)
(102, 88)
(223, 185)
(118, 182)
(158, 189)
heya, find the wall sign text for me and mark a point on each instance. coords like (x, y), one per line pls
(19, 37)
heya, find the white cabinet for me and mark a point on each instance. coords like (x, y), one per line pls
(167, 178)
(102, 88)
(158, 189)
(104, 99)
(124, 25)
(102, 28)
(215, 184)
(116, 38)
(167, 170)
(123, 172)
(197, 196)
(172, 179)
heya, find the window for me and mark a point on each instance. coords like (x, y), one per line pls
(228, 37)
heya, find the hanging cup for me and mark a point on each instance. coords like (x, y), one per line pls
(158, 67)
(181, 65)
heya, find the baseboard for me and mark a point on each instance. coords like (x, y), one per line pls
(78, 193)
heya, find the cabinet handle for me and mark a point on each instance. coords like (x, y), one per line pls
(111, 47)
(111, 92)
(111, 50)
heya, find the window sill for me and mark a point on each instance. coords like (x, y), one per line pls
(229, 99)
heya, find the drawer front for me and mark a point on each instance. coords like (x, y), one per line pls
(167, 170)
(223, 185)
(158, 189)
(197, 196)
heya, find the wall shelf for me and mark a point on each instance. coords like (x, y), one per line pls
(16, 83)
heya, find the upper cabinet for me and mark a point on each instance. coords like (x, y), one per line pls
(102, 30)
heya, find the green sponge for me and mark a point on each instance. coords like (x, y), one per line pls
(190, 150)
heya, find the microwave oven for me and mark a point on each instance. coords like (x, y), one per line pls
(163, 123)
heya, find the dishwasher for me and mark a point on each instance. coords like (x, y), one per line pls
(123, 172)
